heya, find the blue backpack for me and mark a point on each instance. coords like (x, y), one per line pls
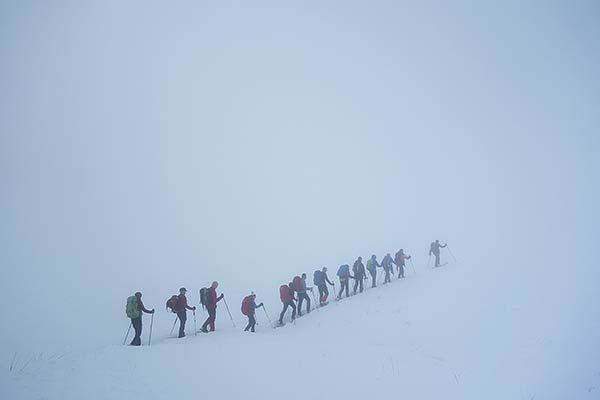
(343, 271)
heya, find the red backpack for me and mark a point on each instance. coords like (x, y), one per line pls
(297, 283)
(284, 294)
(246, 310)
(172, 302)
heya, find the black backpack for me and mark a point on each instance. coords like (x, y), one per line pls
(318, 278)
(203, 296)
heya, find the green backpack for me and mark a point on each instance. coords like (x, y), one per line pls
(132, 307)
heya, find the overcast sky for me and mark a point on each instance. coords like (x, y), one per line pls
(152, 145)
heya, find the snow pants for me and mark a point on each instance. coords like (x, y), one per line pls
(137, 327)
(323, 293)
(343, 285)
(301, 298)
(251, 323)
(210, 321)
(285, 307)
(358, 282)
(373, 277)
(400, 271)
(387, 275)
(182, 315)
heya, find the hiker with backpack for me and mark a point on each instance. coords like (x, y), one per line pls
(179, 305)
(286, 295)
(344, 274)
(359, 274)
(435, 250)
(248, 309)
(401, 262)
(300, 288)
(372, 266)
(387, 264)
(210, 303)
(134, 310)
(321, 280)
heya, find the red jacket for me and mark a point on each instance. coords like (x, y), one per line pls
(212, 299)
(182, 304)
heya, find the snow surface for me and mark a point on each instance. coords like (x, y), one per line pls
(444, 333)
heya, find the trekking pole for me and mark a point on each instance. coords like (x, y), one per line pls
(413, 265)
(127, 334)
(229, 312)
(195, 328)
(450, 251)
(429, 261)
(265, 310)
(151, 323)
(173, 328)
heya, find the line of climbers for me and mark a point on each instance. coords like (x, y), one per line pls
(292, 295)
(321, 280)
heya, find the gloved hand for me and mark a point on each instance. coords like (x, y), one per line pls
(194, 308)
(261, 305)
(152, 311)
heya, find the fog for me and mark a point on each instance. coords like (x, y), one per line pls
(151, 145)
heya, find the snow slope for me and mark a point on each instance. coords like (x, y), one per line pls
(445, 333)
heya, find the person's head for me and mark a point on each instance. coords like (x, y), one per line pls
(214, 285)
(402, 251)
(373, 257)
(324, 269)
(138, 295)
(303, 275)
(437, 241)
(182, 290)
(252, 295)
(388, 254)
(359, 258)
(291, 285)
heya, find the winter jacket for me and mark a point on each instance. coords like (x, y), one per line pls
(212, 299)
(435, 248)
(140, 306)
(359, 270)
(303, 287)
(401, 259)
(182, 304)
(372, 264)
(386, 263)
(253, 307)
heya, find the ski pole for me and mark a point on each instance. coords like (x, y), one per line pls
(413, 266)
(229, 312)
(450, 251)
(151, 323)
(127, 334)
(173, 328)
(265, 310)
(195, 328)
(429, 261)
